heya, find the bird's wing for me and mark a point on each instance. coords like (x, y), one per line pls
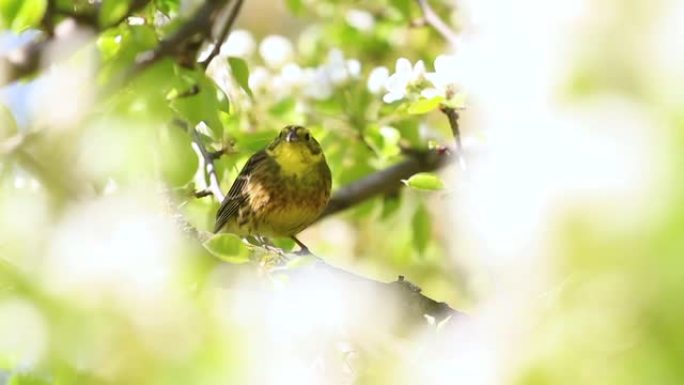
(237, 196)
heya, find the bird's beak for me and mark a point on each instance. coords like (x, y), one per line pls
(291, 136)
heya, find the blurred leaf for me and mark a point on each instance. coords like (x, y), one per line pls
(390, 204)
(179, 162)
(167, 7)
(132, 40)
(109, 43)
(228, 247)
(404, 7)
(456, 101)
(27, 379)
(423, 106)
(111, 11)
(251, 142)
(21, 14)
(424, 181)
(204, 106)
(384, 140)
(422, 228)
(8, 126)
(283, 107)
(286, 244)
(295, 6)
(240, 71)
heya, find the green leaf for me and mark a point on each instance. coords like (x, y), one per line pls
(21, 14)
(422, 228)
(404, 7)
(204, 106)
(240, 71)
(109, 43)
(112, 11)
(167, 7)
(254, 141)
(424, 181)
(228, 247)
(423, 106)
(179, 163)
(286, 244)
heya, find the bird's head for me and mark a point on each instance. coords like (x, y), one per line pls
(295, 149)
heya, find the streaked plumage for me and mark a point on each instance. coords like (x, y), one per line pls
(280, 191)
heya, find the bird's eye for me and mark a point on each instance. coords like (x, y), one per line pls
(307, 136)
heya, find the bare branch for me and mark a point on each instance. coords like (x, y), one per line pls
(452, 115)
(385, 181)
(223, 35)
(432, 19)
(22, 62)
(412, 301)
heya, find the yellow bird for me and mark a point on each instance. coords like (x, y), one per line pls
(280, 191)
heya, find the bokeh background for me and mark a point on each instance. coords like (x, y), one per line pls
(559, 234)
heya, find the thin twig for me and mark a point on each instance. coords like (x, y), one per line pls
(223, 35)
(202, 193)
(432, 19)
(209, 167)
(452, 116)
(46, 23)
(207, 160)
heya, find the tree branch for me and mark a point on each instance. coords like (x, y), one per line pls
(223, 35)
(200, 24)
(432, 19)
(452, 115)
(207, 162)
(411, 299)
(385, 181)
(22, 62)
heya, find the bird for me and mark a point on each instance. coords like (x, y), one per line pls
(281, 190)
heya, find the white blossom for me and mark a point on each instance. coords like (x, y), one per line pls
(240, 43)
(291, 77)
(361, 20)
(354, 68)
(445, 77)
(258, 78)
(404, 75)
(276, 50)
(338, 69)
(377, 79)
(317, 83)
